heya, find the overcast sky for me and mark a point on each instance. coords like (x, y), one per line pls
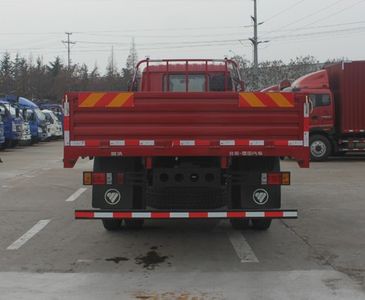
(182, 28)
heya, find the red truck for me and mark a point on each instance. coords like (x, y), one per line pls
(337, 108)
(186, 142)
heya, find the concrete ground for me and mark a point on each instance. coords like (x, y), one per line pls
(45, 254)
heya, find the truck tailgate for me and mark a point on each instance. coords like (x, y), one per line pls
(185, 124)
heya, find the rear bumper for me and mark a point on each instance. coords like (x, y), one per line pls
(195, 214)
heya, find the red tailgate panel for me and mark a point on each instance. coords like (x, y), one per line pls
(184, 124)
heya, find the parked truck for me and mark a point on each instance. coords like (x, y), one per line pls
(186, 142)
(337, 108)
(13, 124)
(2, 136)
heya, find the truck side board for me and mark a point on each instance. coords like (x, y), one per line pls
(183, 124)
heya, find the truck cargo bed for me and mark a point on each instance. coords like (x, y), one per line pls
(151, 124)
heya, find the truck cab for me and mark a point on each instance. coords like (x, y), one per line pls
(13, 124)
(2, 137)
(37, 120)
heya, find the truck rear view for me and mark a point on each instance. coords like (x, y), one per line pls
(186, 142)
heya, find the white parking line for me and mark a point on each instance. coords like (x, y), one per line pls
(28, 235)
(75, 195)
(242, 248)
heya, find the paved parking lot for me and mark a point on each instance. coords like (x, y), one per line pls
(44, 253)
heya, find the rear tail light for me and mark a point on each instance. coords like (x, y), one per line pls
(275, 178)
(87, 178)
(101, 178)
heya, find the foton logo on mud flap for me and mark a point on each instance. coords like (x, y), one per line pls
(112, 197)
(260, 196)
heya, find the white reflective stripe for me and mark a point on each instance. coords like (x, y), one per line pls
(295, 143)
(257, 143)
(362, 130)
(179, 215)
(217, 214)
(66, 108)
(117, 143)
(264, 178)
(141, 215)
(351, 130)
(187, 143)
(146, 142)
(107, 215)
(306, 110)
(290, 214)
(66, 136)
(306, 139)
(227, 142)
(77, 143)
(255, 214)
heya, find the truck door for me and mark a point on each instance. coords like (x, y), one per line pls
(321, 111)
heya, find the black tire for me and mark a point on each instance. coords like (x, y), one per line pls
(261, 224)
(133, 223)
(320, 147)
(112, 224)
(240, 224)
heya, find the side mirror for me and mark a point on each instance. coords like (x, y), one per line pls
(17, 112)
(2, 111)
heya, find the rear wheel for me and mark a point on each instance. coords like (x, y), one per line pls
(261, 224)
(320, 147)
(112, 225)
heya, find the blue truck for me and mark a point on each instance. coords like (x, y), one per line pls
(34, 116)
(12, 122)
(2, 136)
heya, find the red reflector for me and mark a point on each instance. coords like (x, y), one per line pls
(84, 214)
(274, 178)
(120, 178)
(99, 178)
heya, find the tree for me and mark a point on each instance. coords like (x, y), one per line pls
(6, 69)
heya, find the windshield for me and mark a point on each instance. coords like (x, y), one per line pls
(39, 114)
(10, 109)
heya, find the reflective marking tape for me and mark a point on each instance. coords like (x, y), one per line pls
(290, 214)
(66, 108)
(117, 143)
(140, 215)
(146, 142)
(217, 214)
(295, 143)
(179, 215)
(66, 136)
(187, 143)
(254, 214)
(306, 139)
(77, 143)
(257, 143)
(106, 215)
(227, 142)
(185, 215)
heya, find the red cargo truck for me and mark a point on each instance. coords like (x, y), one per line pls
(186, 142)
(337, 108)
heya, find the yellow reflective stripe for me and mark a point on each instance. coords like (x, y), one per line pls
(120, 99)
(92, 99)
(280, 100)
(252, 100)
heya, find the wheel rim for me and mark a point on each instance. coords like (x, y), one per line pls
(318, 149)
